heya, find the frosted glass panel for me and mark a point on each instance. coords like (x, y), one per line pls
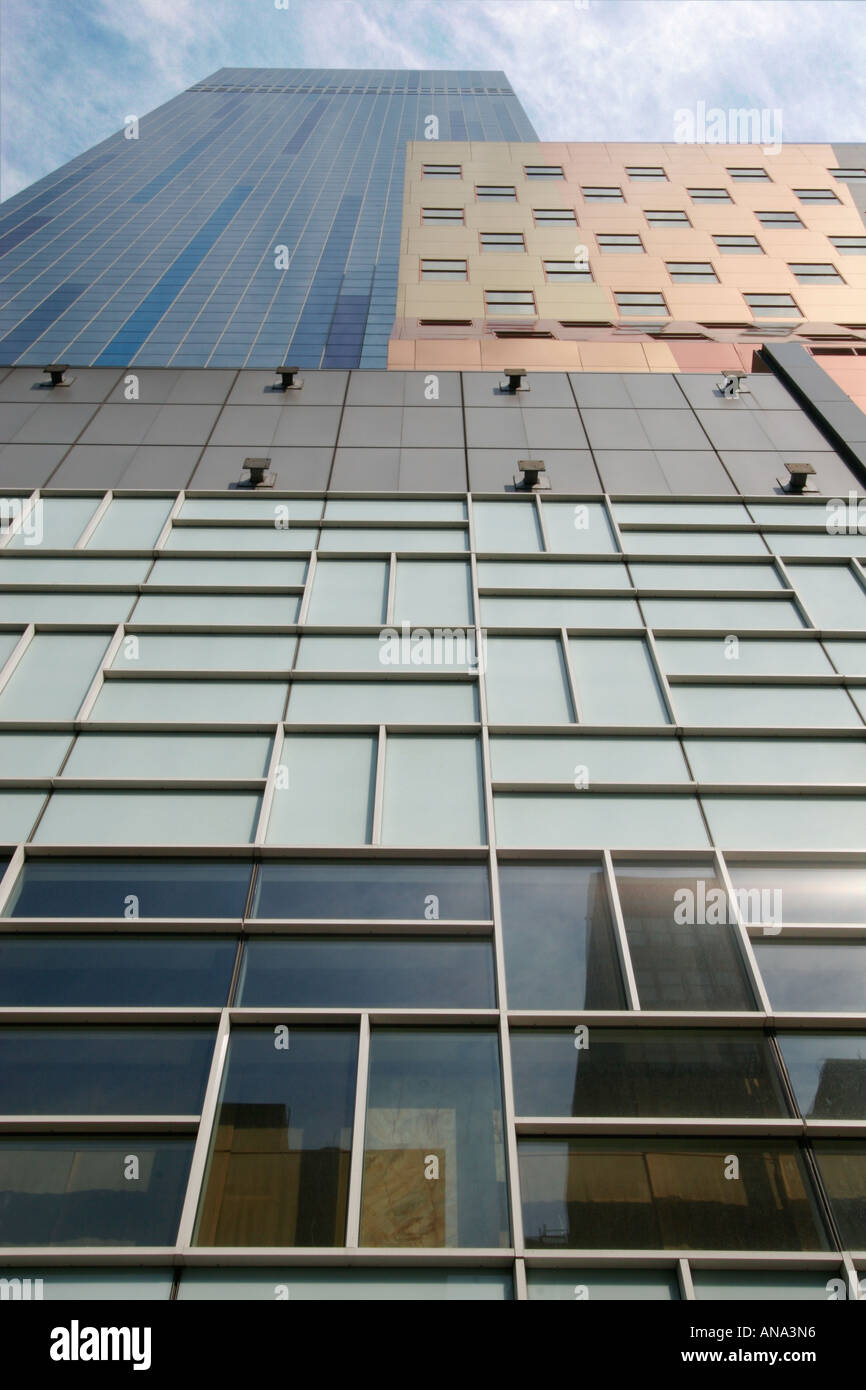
(433, 792)
(506, 526)
(786, 543)
(8, 643)
(149, 818)
(192, 652)
(393, 509)
(615, 681)
(349, 591)
(56, 522)
(704, 576)
(211, 757)
(131, 523)
(791, 514)
(832, 595)
(319, 653)
(631, 1285)
(560, 612)
(35, 607)
(233, 538)
(848, 657)
(190, 702)
(52, 677)
(372, 702)
(729, 613)
(328, 799)
(526, 681)
(770, 706)
(432, 592)
(589, 820)
(744, 656)
(578, 528)
(18, 811)
(77, 570)
(217, 610)
(235, 574)
(818, 760)
(248, 507)
(790, 822)
(583, 761)
(382, 538)
(551, 574)
(32, 755)
(682, 513)
(347, 1285)
(717, 543)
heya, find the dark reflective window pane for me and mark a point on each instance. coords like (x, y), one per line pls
(351, 972)
(566, 1285)
(667, 1194)
(104, 1071)
(279, 1165)
(379, 889)
(778, 893)
(681, 939)
(842, 1165)
(107, 888)
(100, 971)
(434, 1160)
(828, 1073)
(347, 1285)
(559, 946)
(83, 1190)
(646, 1071)
(812, 976)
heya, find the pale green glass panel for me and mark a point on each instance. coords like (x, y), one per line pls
(149, 818)
(785, 513)
(433, 792)
(53, 676)
(595, 1285)
(99, 1285)
(705, 576)
(249, 508)
(32, 755)
(388, 702)
(266, 574)
(393, 509)
(18, 811)
(328, 799)
(57, 524)
(433, 592)
(204, 652)
(551, 574)
(742, 656)
(615, 681)
(587, 760)
(831, 594)
(318, 653)
(595, 820)
(391, 538)
(8, 642)
(767, 706)
(233, 538)
(190, 702)
(506, 526)
(131, 523)
(748, 614)
(849, 658)
(788, 544)
(349, 591)
(776, 1285)
(858, 695)
(349, 1285)
(578, 528)
(217, 610)
(74, 570)
(717, 543)
(560, 612)
(825, 761)
(35, 607)
(210, 757)
(682, 513)
(526, 681)
(790, 822)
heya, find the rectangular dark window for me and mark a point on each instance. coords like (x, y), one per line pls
(559, 946)
(653, 1072)
(278, 1172)
(543, 171)
(646, 173)
(772, 306)
(739, 245)
(842, 1165)
(124, 1189)
(778, 219)
(816, 195)
(434, 1161)
(619, 243)
(568, 272)
(554, 217)
(850, 245)
(691, 273)
(848, 175)
(443, 270)
(814, 976)
(828, 1073)
(667, 217)
(104, 1070)
(709, 195)
(815, 273)
(509, 302)
(495, 193)
(442, 171)
(367, 972)
(682, 945)
(502, 241)
(744, 175)
(641, 304)
(130, 888)
(596, 193)
(442, 217)
(391, 890)
(115, 971)
(668, 1194)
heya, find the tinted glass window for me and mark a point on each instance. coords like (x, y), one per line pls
(100, 971)
(383, 889)
(130, 888)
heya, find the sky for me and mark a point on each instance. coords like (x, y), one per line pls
(583, 69)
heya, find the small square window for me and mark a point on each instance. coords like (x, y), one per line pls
(502, 241)
(739, 245)
(442, 171)
(772, 306)
(495, 193)
(741, 175)
(508, 302)
(667, 217)
(816, 195)
(619, 243)
(709, 195)
(778, 219)
(441, 217)
(443, 270)
(646, 173)
(818, 273)
(543, 171)
(641, 304)
(599, 194)
(692, 273)
(850, 245)
(567, 271)
(554, 217)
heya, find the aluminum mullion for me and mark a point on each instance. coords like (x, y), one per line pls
(620, 934)
(162, 539)
(379, 791)
(684, 1277)
(94, 521)
(84, 709)
(541, 522)
(570, 679)
(17, 652)
(356, 1167)
(270, 786)
(751, 964)
(16, 526)
(198, 1165)
(521, 1292)
(308, 590)
(391, 599)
